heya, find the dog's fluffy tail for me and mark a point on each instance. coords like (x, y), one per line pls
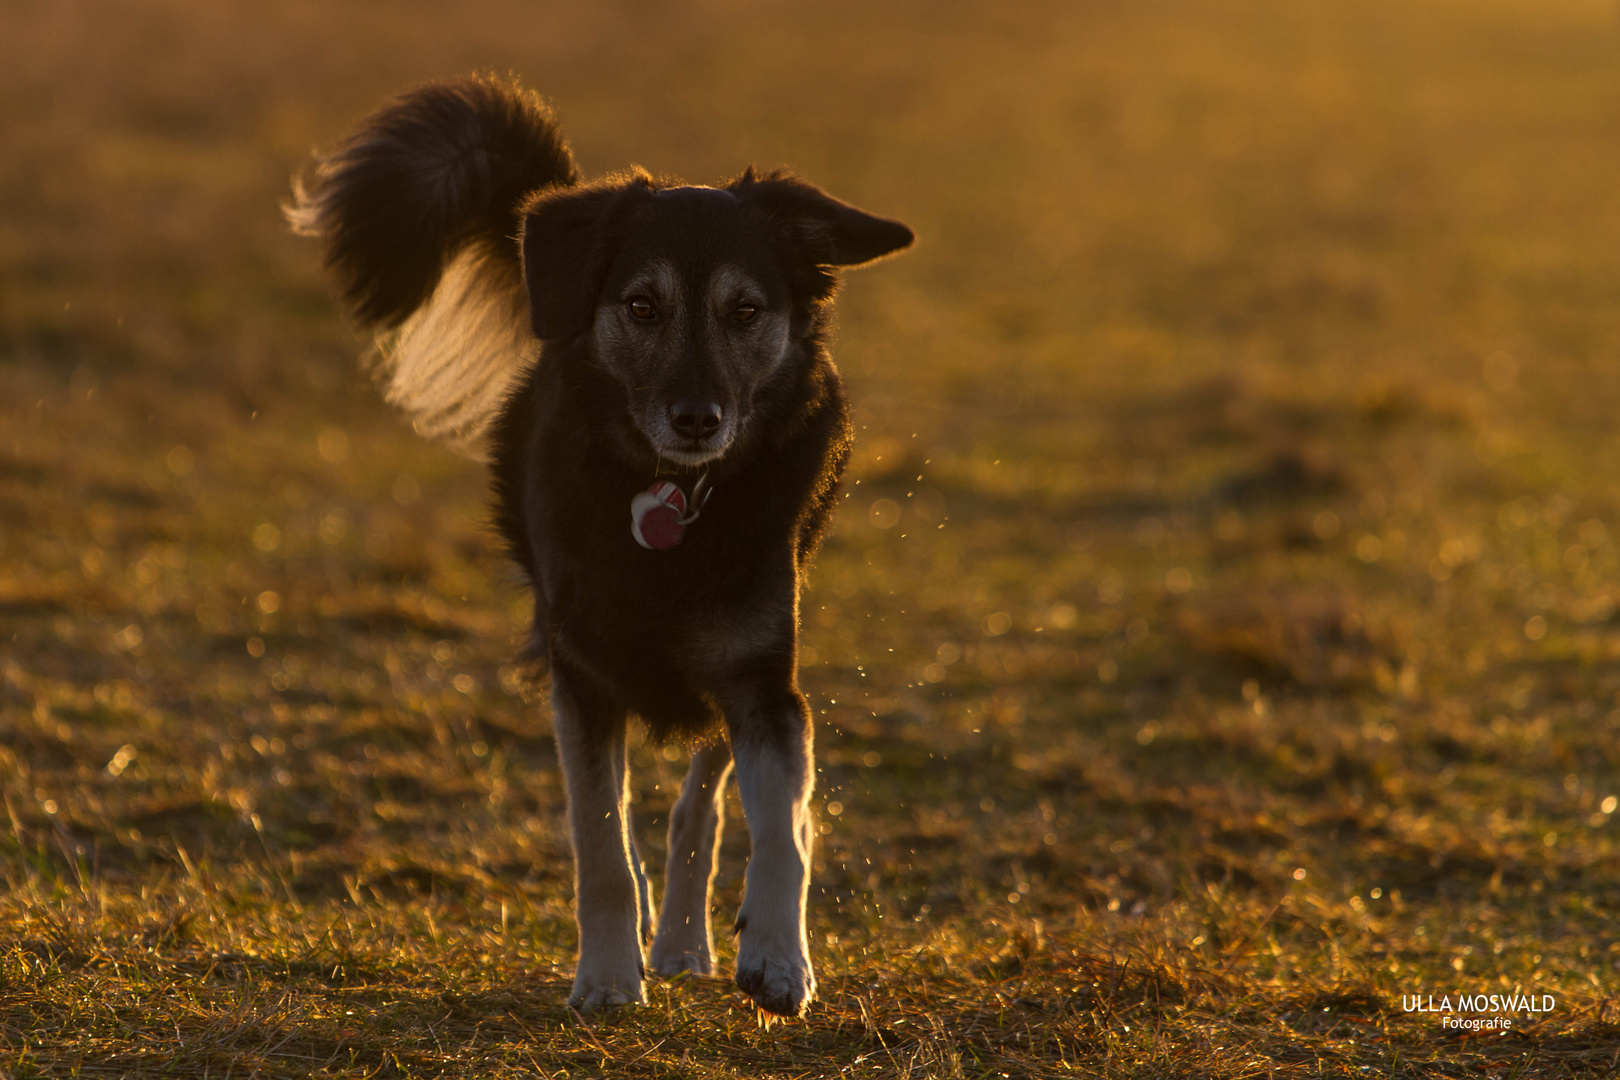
(418, 215)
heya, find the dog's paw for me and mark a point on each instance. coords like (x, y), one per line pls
(784, 985)
(600, 991)
(605, 997)
(675, 961)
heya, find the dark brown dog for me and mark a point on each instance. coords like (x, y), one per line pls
(643, 365)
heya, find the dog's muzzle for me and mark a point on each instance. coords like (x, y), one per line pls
(696, 420)
(695, 431)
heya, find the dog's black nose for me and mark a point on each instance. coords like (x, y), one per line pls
(695, 419)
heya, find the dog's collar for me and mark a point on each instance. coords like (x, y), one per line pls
(659, 516)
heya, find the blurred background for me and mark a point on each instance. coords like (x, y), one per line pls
(1232, 528)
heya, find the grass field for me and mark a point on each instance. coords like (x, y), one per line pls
(1219, 645)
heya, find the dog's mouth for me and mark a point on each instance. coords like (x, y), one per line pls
(692, 452)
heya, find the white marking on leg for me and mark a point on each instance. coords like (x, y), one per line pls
(684, 941)
(775, 780)
(606, 894)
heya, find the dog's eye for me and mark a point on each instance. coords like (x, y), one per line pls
(744, 313)
(641, 308)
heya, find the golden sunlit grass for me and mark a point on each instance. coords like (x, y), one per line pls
(1218, 643)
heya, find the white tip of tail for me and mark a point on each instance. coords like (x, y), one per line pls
(302, 213)
(452, 363)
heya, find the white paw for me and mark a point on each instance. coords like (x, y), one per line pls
(605, 997)
(604, 993)
(782, 983)
(674, 960)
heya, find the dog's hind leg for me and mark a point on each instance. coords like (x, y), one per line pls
(644, 896)
(607, 898)
(772, 746)
(684, 942)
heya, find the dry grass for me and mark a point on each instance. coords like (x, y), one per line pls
(1220, 642)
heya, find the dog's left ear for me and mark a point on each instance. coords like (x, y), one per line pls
(832, 233)
(568, 239)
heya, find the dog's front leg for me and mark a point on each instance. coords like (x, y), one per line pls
(684, 942)
(607, 894)
(772, 746)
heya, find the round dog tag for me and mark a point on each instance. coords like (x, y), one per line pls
(658, 516)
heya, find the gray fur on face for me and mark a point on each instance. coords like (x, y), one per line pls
(693, 347)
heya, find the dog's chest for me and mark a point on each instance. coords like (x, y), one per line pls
(725, 565)
(669, 631)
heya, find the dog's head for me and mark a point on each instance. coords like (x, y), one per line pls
(692, 297)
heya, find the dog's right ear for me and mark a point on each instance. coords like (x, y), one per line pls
(568, 238)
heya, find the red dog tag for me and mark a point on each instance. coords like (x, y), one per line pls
(658, 516)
